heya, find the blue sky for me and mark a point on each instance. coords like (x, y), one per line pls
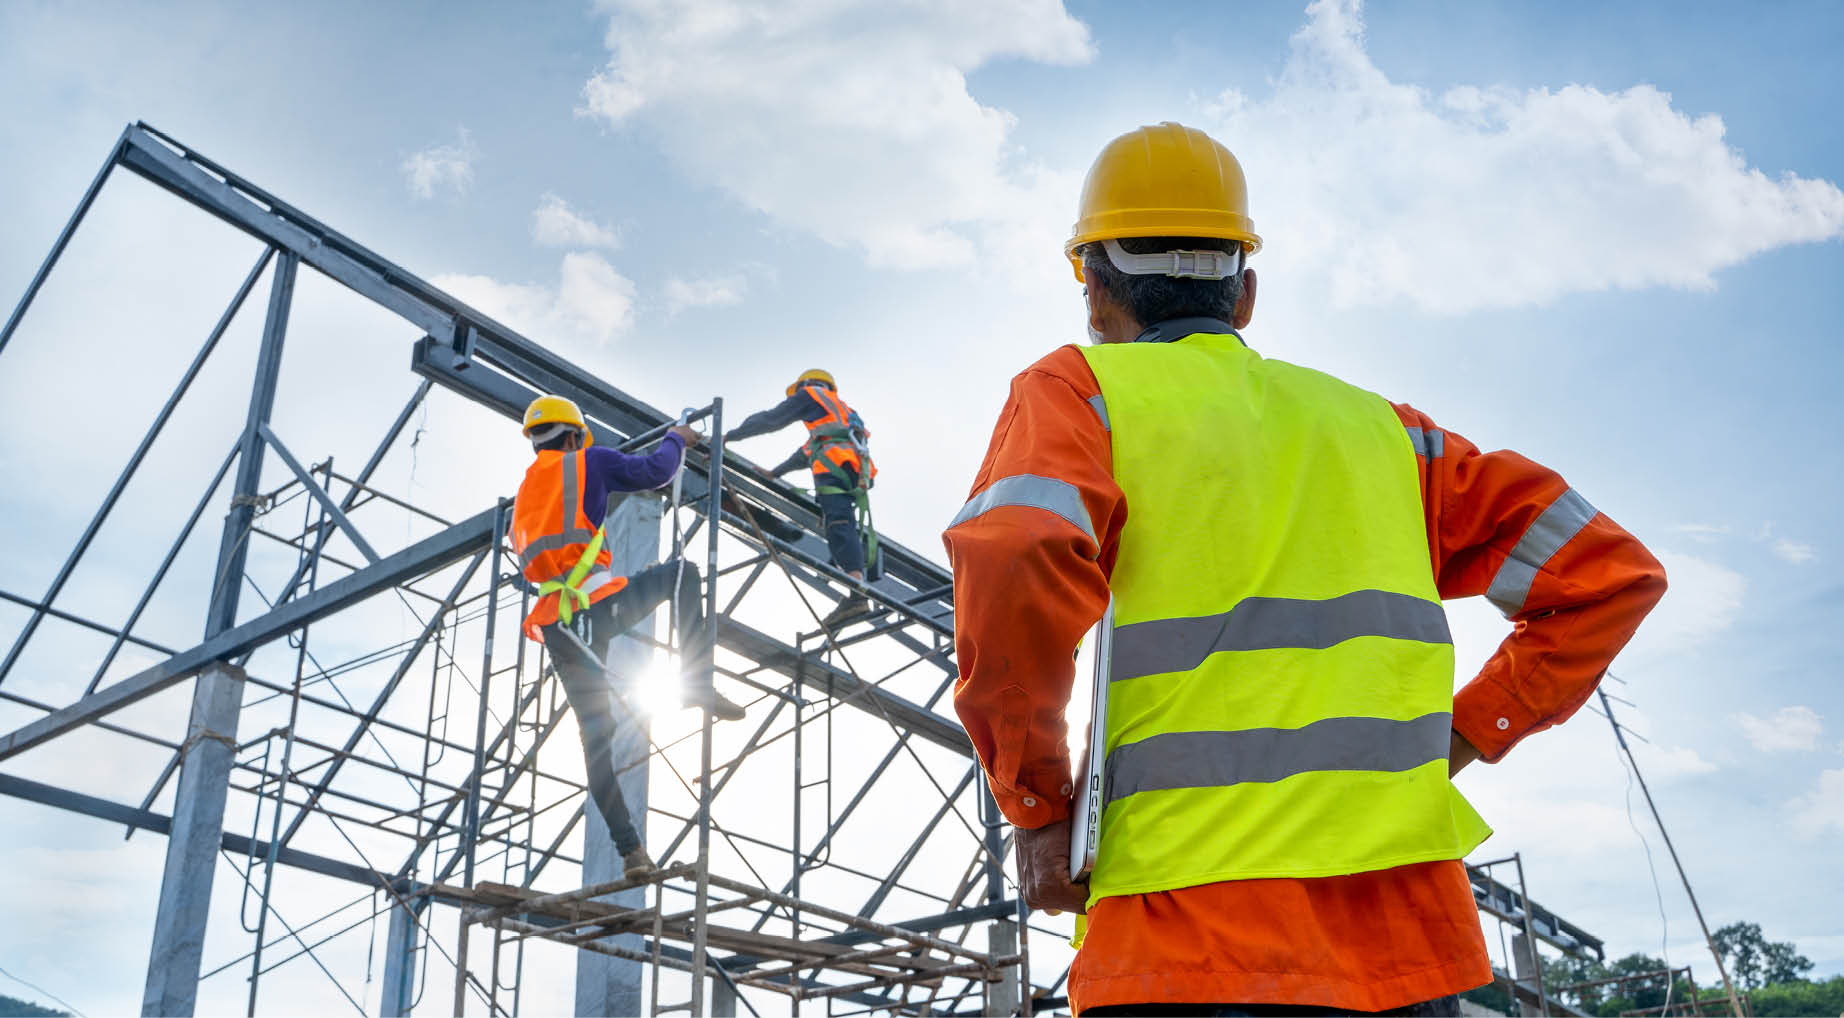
(1607, 237)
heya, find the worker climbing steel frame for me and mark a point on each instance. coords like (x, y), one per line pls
(308, 788)
(301, 788)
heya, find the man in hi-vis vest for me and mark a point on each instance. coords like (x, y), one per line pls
(557, 533)
(838, 452)
(1278, 828)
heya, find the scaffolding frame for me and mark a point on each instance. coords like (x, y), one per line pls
(479, 797)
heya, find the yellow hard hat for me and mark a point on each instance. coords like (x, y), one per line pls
(812, 375)
(1166, 180)
(556, 410)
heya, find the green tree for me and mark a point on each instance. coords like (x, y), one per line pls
(1799, 997)
(1754, 961)
(13, 1007)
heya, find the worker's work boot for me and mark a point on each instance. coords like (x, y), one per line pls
(700, 692)
(708, 698)
(853, 607)
(636, 864)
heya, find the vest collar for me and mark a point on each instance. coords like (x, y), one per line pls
(1173, 329)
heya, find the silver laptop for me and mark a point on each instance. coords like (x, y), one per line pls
(1085, 823)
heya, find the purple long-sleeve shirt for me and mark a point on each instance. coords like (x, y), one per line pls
(611, 470)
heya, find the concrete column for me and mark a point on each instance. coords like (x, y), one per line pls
(1524, 957)
(723, 1000)
(400, 961)
(605, 985)
(1003, 996)
(206, 756)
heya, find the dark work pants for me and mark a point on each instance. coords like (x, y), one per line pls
(1436, 1008)
(589, 688)
(838, 513)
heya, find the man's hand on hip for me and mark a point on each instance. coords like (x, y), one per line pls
(1043, 870)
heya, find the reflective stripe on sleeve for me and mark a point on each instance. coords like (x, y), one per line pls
(1046, 493)
(1218, 759)
(1101, 410)
(1429, 443)
(1269, 623)
(1547, 534)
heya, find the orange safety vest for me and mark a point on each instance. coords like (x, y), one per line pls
(555, 542)
(830, 446)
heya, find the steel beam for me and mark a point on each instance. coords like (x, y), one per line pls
(776, 656)
(421, 558)
(319, 495)
(57, 246)
(160, 823)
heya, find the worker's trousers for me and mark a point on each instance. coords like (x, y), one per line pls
(1436, 1008)
(839, 515)
(592, 691)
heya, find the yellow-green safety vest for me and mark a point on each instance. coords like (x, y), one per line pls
(1281, 693)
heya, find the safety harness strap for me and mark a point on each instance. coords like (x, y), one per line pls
(571, 593)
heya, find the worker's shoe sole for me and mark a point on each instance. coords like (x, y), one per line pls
(850, 609)
(720, 707)
(636, 864)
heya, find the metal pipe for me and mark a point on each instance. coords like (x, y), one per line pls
(64, 235)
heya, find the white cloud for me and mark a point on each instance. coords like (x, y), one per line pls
(1822, 807)
(1704, 533)
(555, 224)
(1483, 197)
(1795, 552)
(1791, 728)
(850, 121)
(590, 305)
(1664, 763)
(714, 292)
(442, 166)
(1704, 600)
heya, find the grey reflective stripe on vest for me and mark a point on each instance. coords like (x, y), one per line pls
(1101, 410)
(1269, 623)
(1556, 527)
(1219, 759)
(1046, 493)
(1429, 443)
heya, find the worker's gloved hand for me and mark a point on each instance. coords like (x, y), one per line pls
(1043, 870)
(687, 435)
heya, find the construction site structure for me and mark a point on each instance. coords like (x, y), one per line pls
(361, 738)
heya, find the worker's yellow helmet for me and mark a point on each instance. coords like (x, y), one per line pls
(813, 375)
(547, 410)
(1166, 180)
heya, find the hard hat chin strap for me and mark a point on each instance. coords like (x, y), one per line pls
(1177, 264)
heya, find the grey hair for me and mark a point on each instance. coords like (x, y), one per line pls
(1154, 299)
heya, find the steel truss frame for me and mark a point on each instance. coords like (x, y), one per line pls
(417, 814)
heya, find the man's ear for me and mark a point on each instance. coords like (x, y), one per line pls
(1245, 306)
(1093, 299)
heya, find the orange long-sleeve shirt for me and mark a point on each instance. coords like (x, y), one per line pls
(1028, 583)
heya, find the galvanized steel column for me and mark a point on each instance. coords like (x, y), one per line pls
(607, 985)
(400, 959)
(211, 734)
